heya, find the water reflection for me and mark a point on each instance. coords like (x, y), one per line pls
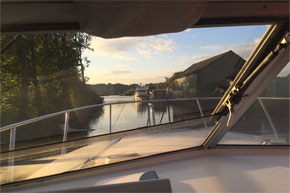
(135, 115)
(124, 116)
(128, 116)
(160, 107)
(141, 107)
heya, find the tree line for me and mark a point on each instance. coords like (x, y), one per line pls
(168, 82)
(114, 89)
(128, 90)
(42, 74)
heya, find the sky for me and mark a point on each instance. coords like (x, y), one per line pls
(149, 59)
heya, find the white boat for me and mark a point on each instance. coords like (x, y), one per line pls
(197, 155)
(141, 94)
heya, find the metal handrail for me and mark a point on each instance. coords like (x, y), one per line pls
(11, 126)
(273, 98)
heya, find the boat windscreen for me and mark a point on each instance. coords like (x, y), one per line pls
(102, 150)
(67, 99)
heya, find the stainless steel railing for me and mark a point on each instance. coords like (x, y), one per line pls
(151, 113)
(269, 118)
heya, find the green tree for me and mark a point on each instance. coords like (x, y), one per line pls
(42, 74)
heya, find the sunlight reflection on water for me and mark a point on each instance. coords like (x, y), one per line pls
(126, 116)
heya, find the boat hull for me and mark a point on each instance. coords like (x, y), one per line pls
(141, 98)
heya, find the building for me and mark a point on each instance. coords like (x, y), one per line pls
(209, 77)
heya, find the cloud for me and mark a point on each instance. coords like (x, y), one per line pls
(112, 46)
(145, 52)
(129, 78)
(141, 45)
(202, 57)
(244, 50)
(162, 43)
(120, 66)
(114, 72)
(186, 60)
(124, 58)
(212, 47)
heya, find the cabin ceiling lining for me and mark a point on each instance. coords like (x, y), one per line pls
(111, 19)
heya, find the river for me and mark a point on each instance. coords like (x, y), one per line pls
(126, 116)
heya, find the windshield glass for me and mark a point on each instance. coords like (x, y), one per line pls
(266, 122)
(183, 76)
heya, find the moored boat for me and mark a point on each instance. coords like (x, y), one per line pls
(141, 94)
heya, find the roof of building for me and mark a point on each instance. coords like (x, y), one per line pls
(199, 65)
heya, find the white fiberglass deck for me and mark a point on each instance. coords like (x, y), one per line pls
(101, 152)
(241, 169)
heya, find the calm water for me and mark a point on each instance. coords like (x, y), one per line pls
(126, 116)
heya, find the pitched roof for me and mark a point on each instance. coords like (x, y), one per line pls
(199, 65)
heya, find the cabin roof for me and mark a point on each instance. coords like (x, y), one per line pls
(112, 19)
(199, 65)
(141, 89)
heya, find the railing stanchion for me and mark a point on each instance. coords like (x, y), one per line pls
(12, 139)
(149, 116)
(110, 118)
(11, 167)
(269, 118)
(201, 113)
(11, 155)
(168, 111)
(66, 126)
(153, 113)
(161, 117)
